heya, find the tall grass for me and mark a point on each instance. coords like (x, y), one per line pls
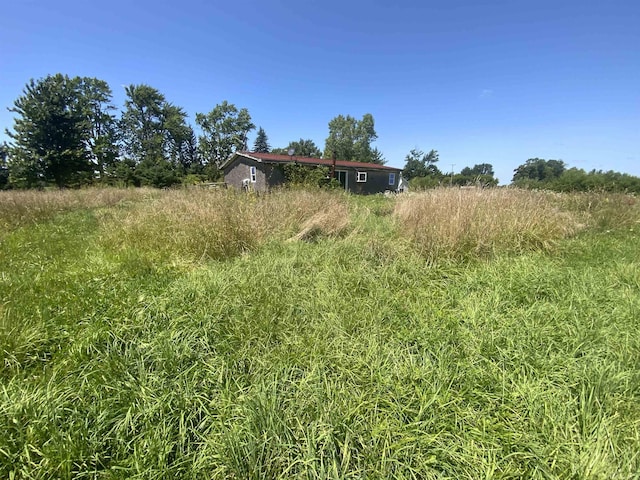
(332, 351)
(452, 222)
(603, 211)
(20, 208)
(196, 224)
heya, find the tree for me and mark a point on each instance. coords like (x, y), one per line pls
(155, 136)
(419, 164)
(350, 139)
(142, 123)
(480, 174)
(301, 148)
(4, 171)
(476, 170)
(188, 154)
(224, 131)
(101, 126)
(538, 169)
(377, 157)
(261, 145)
(180, 139)
(50, 134)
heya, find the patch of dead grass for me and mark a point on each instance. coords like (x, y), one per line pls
(456, 222)
(196, 224)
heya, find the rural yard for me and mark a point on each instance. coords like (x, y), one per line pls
(188, 333)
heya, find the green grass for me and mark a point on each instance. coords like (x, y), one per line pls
(349, 353)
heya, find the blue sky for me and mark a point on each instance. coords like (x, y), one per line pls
(480, 81)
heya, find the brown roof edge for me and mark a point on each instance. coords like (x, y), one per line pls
(275, 158)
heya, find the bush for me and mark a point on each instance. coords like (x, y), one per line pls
(424, 183)
(297, 174)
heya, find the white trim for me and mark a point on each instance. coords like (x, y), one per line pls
(235, 155)
(358, 177)
(394, 178)
(253, 173)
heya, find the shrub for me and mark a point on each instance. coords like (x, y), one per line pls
(305, 175)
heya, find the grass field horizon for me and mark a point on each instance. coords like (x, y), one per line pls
(311, 334)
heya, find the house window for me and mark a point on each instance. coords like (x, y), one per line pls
(392, 179)
(361, 177)
(252, 171)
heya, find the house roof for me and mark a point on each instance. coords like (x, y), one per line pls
(273, 158)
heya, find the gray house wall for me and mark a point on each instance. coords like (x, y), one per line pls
(270, 175)
(377, 181)
(267, 175)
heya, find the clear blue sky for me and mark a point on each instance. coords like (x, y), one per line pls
(480, 81)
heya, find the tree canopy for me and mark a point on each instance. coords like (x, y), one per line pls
(420, 164)
(155, 136)
(539, 169)
(52, 134)
(553, 175)
(224, 131)
(261, 145)
(67, 133)
(476, 170)
(301, 148)
(351, 139)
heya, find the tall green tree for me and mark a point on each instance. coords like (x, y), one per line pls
(377, 157)
(154, 136)
(100, 123)
(538, 169)
(351, 139)
(420, 164)
(479, 169)
(224, 131)
(301, 148)
(261, 145)
(180, 140)
(188, 155)
(142, 123)
(50, 134)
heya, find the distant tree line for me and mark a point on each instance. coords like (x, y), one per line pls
(537, 173)
(66, 133)
(422, 172)
(554, 175)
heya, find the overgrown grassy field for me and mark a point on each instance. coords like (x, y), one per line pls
(196, 334)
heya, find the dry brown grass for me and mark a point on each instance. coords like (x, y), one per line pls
(603, 211)
(20, 208)
(448, 222)
(453, 222)
(197, 224)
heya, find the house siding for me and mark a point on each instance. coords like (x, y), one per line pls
(240, 169)
(377, 181)
(270, 175)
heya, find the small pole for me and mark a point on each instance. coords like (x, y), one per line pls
(333, 166)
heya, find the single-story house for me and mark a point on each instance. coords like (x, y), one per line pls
(262, 171)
